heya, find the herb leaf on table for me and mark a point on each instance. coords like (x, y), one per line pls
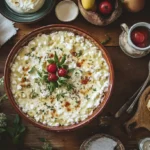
(16, 131)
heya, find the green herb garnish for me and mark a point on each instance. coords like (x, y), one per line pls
(79, 53)
(60, 95)
(33, 94)
(108, 38)
(32, 70)
(16, 130)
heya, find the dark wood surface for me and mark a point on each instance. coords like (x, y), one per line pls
(129, 75)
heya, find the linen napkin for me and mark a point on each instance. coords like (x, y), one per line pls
(7, 30)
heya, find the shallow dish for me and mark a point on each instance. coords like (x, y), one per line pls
(46, 30)
(87, 142)
(6, 11)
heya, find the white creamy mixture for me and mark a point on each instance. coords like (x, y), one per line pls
(25, 6)
(102, 144)
(63, 107)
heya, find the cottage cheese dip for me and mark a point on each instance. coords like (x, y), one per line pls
(67, 101)
(25, 6)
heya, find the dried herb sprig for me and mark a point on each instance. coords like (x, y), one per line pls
(107, 40)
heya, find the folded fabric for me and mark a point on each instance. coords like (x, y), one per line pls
(7, 30)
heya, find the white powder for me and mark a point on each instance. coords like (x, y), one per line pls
(66, 10)
(103, 143)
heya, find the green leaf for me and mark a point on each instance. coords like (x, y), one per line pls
(56, 59)
(60, 95)
(70, 87)
(32, 70)
(63, 60)
(10, 131)
(22, 129)
(42, 139)
(51, 61)
(63, 79)
(39, 73)
(16, 130)
(16, 120)
(45, 78)
(2, 130)
(16, 139)
(71, 70)
(33, 94)
(79, 53)
(52, 86)
(64, 66)
(107, 40)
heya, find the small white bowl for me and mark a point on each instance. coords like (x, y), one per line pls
(66, 11)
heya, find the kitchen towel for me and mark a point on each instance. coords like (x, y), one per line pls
(7, 30)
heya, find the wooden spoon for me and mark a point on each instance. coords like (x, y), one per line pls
(141, 118)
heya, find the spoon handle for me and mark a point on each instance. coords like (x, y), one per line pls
(129, 110)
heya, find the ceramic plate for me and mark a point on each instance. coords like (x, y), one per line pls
(26, 18)
(47, 30)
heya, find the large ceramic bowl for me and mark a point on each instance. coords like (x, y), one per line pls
(46, 30)
(6, 11)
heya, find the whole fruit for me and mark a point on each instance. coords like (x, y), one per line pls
(105, 7)
(134, 5)
(52, 68)
(88, 4)
(62, 72)
(52, 77)
(137, 37)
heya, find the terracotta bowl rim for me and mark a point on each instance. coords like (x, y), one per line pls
(24, 41)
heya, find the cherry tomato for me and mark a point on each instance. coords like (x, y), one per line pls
(62, 72)
(105, 7)
(52, 68)
(52, 77)
(137, 37)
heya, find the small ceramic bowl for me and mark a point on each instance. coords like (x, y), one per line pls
(87, 142)
(48, 30)
(66, 11)
(140, 24)
(6, 11)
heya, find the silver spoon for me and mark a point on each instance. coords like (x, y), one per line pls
(126, 105)
(129, 110)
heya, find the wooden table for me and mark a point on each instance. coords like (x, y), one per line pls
(129, 75)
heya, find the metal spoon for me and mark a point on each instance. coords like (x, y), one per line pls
(129, 110)
(126, 105)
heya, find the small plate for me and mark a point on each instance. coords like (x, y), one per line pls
(66, 11)
(6, 11)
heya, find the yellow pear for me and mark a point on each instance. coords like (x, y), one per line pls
(88, 4)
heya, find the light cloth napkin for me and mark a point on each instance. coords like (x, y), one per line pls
(7, 30)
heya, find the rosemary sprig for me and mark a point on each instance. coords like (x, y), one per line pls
(16, 131)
